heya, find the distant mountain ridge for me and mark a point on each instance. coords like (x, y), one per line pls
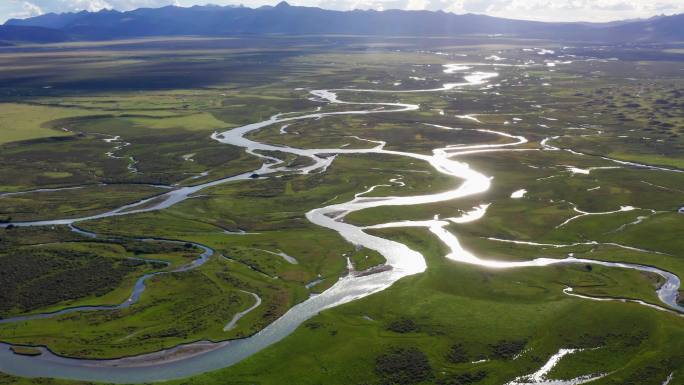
(295, 20)
(31, 34)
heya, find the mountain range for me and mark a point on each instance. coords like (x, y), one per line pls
(294, 20)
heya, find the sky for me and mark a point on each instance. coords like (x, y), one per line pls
(544, 10)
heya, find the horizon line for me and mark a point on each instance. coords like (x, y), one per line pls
(351, 10)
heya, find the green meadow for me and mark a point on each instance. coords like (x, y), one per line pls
(89, 127)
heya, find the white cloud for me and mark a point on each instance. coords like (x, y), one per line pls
(555, 10)
(87, 5)
(21, 6)
(577, 10)
(26, 9)
(417, 4)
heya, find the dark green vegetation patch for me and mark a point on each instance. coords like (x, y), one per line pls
(33, 278)
(403, 366)
(112, 123)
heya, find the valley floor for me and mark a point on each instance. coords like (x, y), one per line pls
(283, 211)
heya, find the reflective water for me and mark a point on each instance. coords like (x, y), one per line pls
(402, 260)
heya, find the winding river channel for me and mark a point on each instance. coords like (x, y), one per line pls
(204, 356)
(138, 288)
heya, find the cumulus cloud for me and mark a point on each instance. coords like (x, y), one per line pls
(30, 8)
(571, 10)
(25, 9)
(549, 10)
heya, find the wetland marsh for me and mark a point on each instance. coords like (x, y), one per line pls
(401, 212)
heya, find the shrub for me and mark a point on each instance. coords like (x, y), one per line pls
(402, 325)
(401, 366)
(506, 350)
(463, 379)
(457, 354)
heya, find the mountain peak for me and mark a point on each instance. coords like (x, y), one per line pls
(288, 19)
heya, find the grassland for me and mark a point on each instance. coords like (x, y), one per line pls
(140, 114)
(451, 306)
(24, 122)
(48, 270)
